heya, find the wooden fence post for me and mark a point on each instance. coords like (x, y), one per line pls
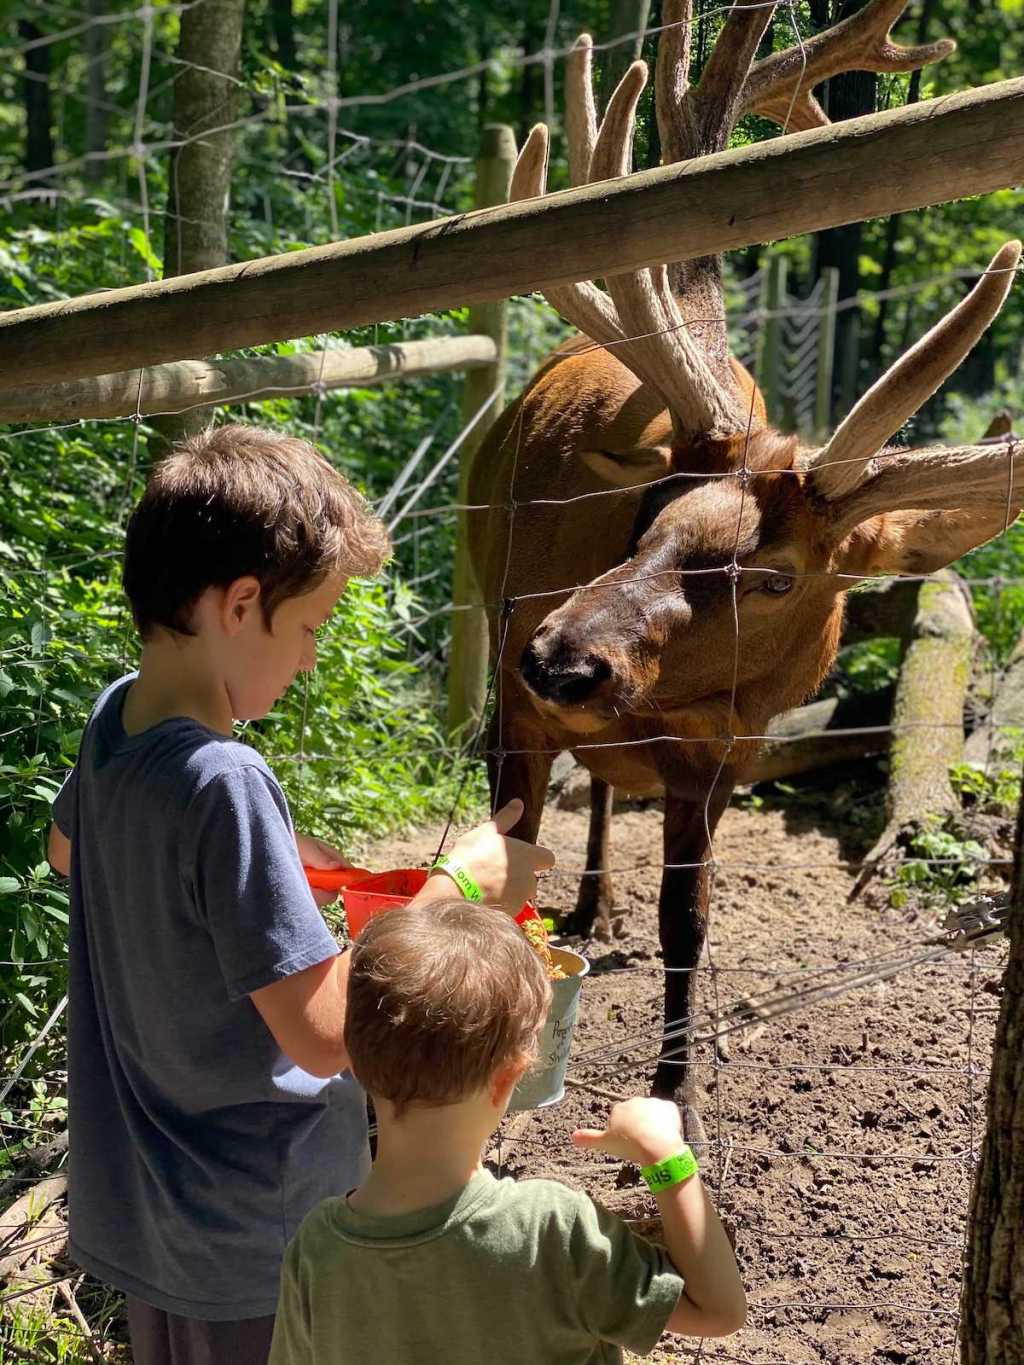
(467, 657)
(769, 346)
(826, 353)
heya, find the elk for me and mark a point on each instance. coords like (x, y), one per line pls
(669, 571)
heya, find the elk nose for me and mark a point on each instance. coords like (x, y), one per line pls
(563, 677)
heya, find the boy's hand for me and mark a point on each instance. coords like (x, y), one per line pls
(505, 869)
(640, 1130)
(315, 852)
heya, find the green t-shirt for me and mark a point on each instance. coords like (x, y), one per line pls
(507, 1273)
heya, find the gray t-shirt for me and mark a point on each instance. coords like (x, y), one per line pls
(508, 1272)
(197, 1146)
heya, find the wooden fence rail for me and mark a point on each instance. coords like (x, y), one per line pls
(963, 144)
(200, 383)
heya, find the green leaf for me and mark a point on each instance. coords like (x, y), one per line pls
(8, 885)
(140, 242)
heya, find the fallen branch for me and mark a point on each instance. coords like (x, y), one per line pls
(68, 1295)
(927, 716)
(24, 1218)
(802, 742)
(39, 1159)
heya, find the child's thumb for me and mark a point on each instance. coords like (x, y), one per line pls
(509, 816)
(589, 1137)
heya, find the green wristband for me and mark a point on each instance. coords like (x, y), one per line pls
(466, 884)
(662, 1175)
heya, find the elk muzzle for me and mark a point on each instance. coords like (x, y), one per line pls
(556, 671)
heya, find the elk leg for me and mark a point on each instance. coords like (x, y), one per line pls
(682, 928)
(596, 900)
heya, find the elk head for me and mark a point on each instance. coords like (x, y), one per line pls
(743, 543)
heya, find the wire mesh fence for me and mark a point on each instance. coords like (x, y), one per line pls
(838, 1202)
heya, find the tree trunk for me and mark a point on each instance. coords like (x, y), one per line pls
(627, 16)
(205, 98)
(892, 227)
(879, 610)
(96, 97)
(847, 96)
(38, 109)
(992, 1299)
(283, 22)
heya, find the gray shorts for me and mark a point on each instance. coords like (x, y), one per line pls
(160, 1338)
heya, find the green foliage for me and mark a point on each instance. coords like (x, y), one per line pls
(997, 791)
(63, 635)
(942, 863)
(51, 1337)
(357, 745)
(866, 667)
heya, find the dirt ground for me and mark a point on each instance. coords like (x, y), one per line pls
(842, 1132)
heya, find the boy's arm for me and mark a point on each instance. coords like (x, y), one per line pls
(713, 1302)
(505, 869)
(58, 852)
(292, 1342)
(306, 1015)
(306, 1011)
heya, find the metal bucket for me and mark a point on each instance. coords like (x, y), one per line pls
(544, 1083)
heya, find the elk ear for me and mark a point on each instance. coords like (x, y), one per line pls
(909, 542)
(629, 468)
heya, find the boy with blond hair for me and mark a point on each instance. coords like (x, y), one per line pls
(430, 1258)
(208, 1112)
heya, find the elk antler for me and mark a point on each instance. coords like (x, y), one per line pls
(779, 86)
(698, 120)
(970, 480)
(641, 319)
(695, 121)
(843, 463)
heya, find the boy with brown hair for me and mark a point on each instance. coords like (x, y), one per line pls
(207, 996)
(431, 1258)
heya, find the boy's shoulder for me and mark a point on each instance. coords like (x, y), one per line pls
(552, 1202)
(180, 750)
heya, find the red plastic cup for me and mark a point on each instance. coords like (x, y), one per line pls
(386, 890)
(379, 892)
(333, 878)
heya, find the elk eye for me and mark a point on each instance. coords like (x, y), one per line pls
(778, 584)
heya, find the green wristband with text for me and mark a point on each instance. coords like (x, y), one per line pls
(662, 1175)
(466, 884)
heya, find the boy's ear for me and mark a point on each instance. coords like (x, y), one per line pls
(241, 598)
(505, 1080)
(918, 542)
